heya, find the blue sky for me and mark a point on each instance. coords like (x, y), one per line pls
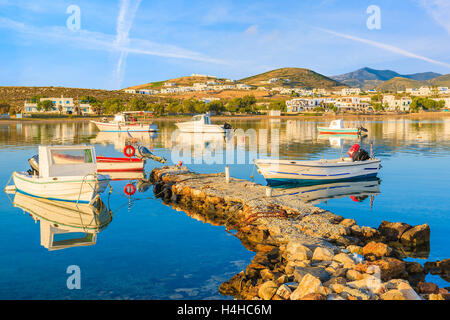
(127, 42)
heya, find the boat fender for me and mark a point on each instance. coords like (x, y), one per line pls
(129, 189)
(353, 149)
(129, 151)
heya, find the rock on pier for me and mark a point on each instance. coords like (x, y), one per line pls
(303, 252)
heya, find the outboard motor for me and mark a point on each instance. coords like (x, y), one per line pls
(227, 126)
(361, 130)
(358, 154)
(34, 163)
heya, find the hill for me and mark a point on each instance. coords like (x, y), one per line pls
(293, 77)
(441, 81)
(399, 84)
(368, 78)
(17, 95)
(182, 82)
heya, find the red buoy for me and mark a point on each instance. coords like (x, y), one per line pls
(129, 151)
(353, 149)
(129, 189)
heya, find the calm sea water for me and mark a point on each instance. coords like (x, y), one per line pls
(151, 251)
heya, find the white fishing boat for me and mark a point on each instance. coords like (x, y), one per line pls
(124, 122)
(337, 127)
(202, 124)
(63, 173)
(65, 224)
(323, 170)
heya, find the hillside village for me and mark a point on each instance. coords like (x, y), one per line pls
(288, 90)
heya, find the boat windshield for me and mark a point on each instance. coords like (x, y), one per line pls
(76, 156)
(197, 118)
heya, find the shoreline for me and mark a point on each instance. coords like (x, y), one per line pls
(423, 115)
(304, 252)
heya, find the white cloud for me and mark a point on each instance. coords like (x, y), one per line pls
(439, 10)
(125, 20)
(91, 40)
(252, 30)
(384, 46)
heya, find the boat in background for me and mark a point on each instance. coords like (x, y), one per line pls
(202, 124)
(124, 122)
(64, 224)
(337, 127)
(62, 173)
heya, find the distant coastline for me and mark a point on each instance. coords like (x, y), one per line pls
(326, 116)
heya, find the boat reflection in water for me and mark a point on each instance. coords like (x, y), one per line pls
(337, 140)
(120, 139)
(198, 143)
(64, 224)
(357, 190)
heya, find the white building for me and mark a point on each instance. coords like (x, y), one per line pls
(402, 104)
(447, 102)
(443, 90)
(209, 99)
(301, 104)
(273, 80)
(243, 86)
(62, 104)
(350, 91)
(422, 91)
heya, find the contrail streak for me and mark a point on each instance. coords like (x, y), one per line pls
(385, 47)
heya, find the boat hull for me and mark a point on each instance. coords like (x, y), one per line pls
(200, 128)
(70, 189)
(349, 131)
(105, 164)
(115, 127)
(306, 172)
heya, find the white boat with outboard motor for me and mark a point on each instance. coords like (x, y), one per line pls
(124, 122)
(337, 127)
(358, 166)
(202, 123)
(62, 173)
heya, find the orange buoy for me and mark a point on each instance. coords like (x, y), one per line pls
(129, 189)
(129, 151)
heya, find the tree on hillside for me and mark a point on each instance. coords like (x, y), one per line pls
(45, 105)
(216, 106)
(5, 107)
(277, 105)
(88, 99)
(113, 105)
(136, 104)
(376, 98)
(174, 107)
(188, 106)
(245, 104)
